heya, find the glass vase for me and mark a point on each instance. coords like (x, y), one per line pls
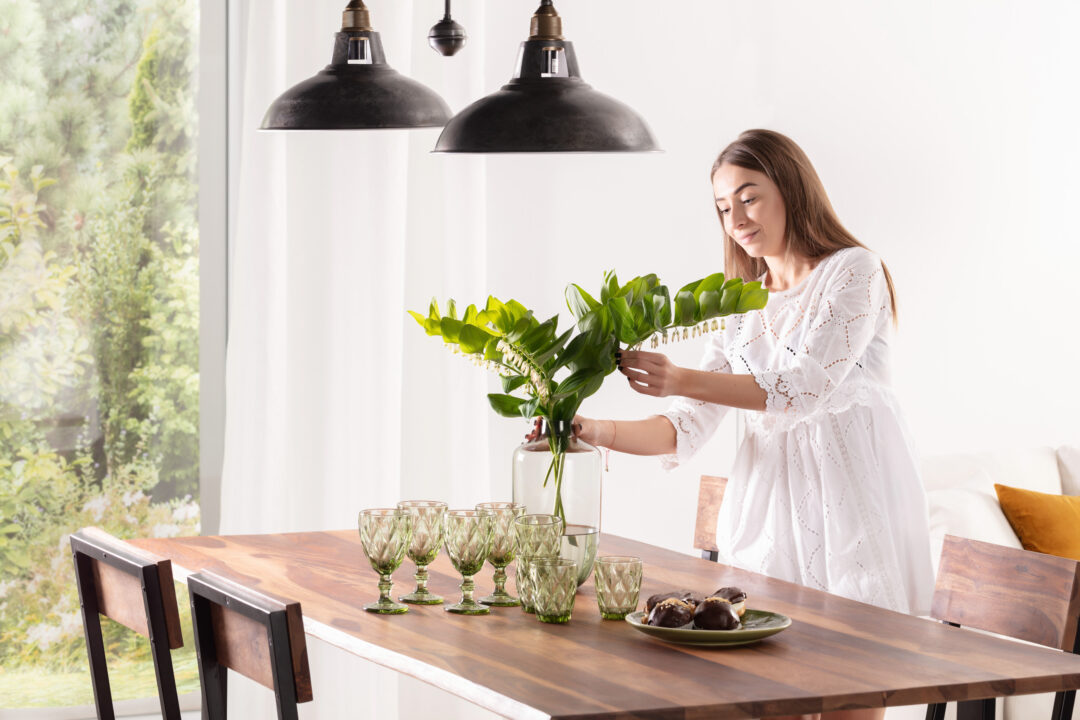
(556, 473)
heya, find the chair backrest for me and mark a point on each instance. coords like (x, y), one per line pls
(255, 634)
(710, 495)
(1022, 594)
(134, 588)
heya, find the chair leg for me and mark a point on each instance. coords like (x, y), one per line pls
(159, 645)
(95, 644)
(975, 709)
(212, 675)
(1063, 705)
(935, 711)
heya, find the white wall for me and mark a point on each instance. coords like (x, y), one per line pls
(946, 134)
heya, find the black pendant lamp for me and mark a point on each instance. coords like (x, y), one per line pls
(357, 90)
(546, 106)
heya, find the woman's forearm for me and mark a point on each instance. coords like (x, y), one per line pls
(739, 391)
(651, 436)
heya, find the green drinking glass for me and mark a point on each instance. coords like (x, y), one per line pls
(468, 542)
(503, 543)
(385, 534)
(428, 531)
(537, 536)
(618, 584)
(554, 587)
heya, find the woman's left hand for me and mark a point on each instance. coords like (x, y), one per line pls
(650, 373)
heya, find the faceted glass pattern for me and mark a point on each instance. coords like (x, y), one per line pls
(537, 536)
(385, 534)
(618, 583)
(468, 542)
(427, 538)
(554, 586)
(503, 543)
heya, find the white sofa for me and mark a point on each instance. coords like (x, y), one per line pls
(960, 492)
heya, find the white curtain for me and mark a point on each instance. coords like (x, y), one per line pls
(323, 416)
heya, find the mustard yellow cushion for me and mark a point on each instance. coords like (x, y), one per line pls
(1044, 523)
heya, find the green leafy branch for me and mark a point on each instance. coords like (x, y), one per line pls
(508, 339)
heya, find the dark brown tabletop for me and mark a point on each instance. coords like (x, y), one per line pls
(838, 654)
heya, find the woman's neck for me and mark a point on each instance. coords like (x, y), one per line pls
(787, 271)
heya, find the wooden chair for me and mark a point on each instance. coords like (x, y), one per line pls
(1022, 594)
(134, 588)
(256, 635)
(710, 495)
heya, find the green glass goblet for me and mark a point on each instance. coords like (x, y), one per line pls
(536, 536)
(385, 534)
(427, 538)
(503, 543)
(618, 583)
(554, 586)
(468, 542)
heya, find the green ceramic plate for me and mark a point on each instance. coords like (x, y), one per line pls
(756, 624)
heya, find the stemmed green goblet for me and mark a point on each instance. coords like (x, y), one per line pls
(503, 542)
(537, 536)
(385, 534)
(427, 537)
(468, 542)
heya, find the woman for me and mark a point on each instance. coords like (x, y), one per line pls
(825, 489)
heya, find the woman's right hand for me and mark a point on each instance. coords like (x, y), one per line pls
(594, 432)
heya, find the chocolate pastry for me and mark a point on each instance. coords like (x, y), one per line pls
(735, 596)
(685, 595)
(731, 594)
(716, 613)
(670, 613)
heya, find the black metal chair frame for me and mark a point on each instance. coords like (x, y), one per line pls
(84, 550)
(207, 590)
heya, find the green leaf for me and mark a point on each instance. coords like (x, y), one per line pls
(450, 329)
(623, 321)
(556, 345)
(710, 305)
(662, 305)
(451, 309)
(753, 297)
(573, 382)
(712, 282)
(510, 383)
(685, 308)
(729, 300)
(506, 405)
(579, 301)
(473, 339)
(470, 314)
(528, 408)
(418, 318)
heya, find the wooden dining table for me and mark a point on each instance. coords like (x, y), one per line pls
(837, 653)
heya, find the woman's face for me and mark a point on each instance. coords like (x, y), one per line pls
(751, 209)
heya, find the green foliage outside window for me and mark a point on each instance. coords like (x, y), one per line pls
(98, 318)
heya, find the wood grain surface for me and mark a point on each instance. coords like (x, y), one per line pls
(710, 496)
(837, 654)
(120, 594)
(1019, 593)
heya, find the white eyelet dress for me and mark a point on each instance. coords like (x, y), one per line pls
(825, 489)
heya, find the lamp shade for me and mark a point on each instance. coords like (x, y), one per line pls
(356, 91)
(546, 107)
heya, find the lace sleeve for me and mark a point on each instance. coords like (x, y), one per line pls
(854, 305)
(695, 421)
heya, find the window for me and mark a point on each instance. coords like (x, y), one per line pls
(101, 221)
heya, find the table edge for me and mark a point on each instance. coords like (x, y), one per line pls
(418, 669)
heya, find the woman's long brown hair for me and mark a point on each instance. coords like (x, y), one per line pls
(813, 230)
